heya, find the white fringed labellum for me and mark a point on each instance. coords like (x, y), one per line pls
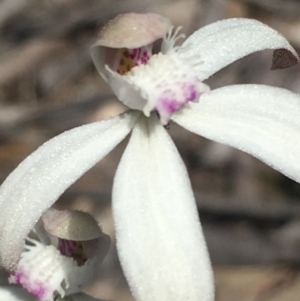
(43, 271)
(47, 271)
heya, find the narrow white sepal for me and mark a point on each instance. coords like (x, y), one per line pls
(221, 43)
(41, 178)
(260, 120)
(15, 293)
(159, 237)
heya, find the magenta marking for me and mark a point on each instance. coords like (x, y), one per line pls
(139, 56)
(18, 277)
(67, 247)
(38, 289)
(175, 97)
(192, 93)
(171, 105)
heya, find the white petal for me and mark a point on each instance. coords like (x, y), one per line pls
(221, 43)
(15, 293)
(40, 179)
(260, 120)
(127, 91)
(159, 237)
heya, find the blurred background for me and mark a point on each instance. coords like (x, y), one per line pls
(48, 84)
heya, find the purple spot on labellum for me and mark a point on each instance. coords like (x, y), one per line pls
(38, 289)
(18, 277)
(175, 96)
(170, 105)
(192, 93)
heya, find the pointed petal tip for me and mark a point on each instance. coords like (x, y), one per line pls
(223, 42)
(284, 58)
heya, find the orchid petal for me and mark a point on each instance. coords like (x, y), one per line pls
(40, 179)
(128, 92)
(260, 120)
(15, 293)
(159, 237)
(221, 43)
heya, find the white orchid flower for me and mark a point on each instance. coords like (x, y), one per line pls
(159, 237)
(49, 271)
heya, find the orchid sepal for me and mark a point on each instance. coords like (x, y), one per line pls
(217, 45)
(52, 169)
